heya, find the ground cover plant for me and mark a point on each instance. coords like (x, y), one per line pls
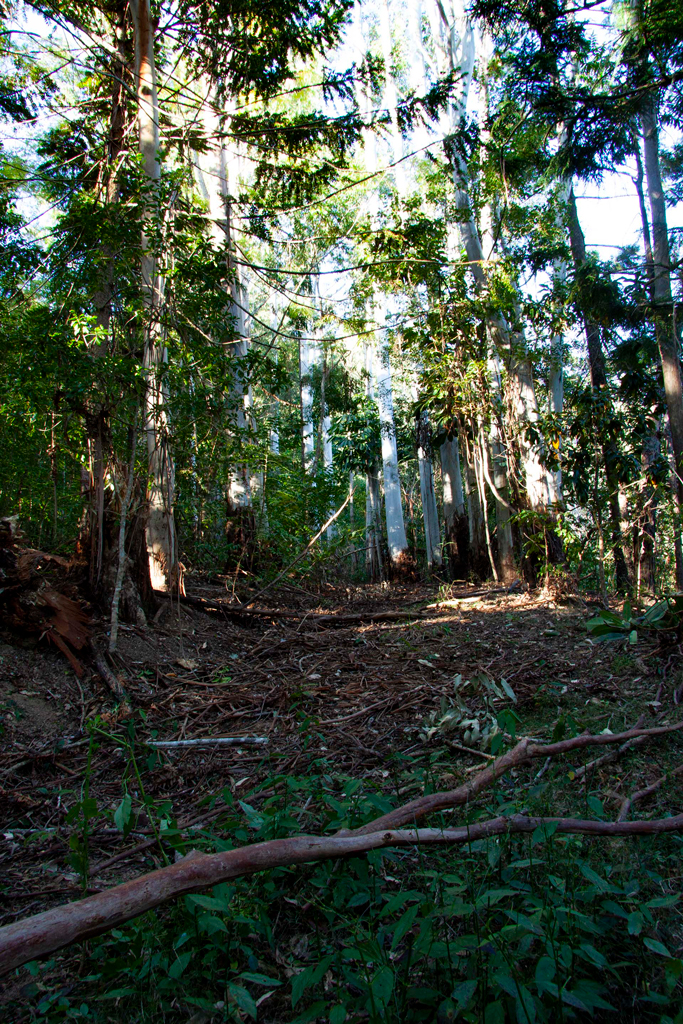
(526, 927)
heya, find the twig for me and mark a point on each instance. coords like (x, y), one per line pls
(643, 794)
(613, 754)
(467, 750)
(54, 929)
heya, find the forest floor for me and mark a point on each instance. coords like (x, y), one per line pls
(340, 680)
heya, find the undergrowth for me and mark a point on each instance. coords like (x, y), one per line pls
(544, 927)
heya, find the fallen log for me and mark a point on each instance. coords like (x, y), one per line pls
(233, 611)
(52, 930)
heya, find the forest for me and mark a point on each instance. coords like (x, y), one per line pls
(341, 511)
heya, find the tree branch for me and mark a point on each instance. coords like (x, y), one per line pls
(54, 929)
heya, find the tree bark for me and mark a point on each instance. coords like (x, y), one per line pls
(161, 534)
(430, 515)
(374, 563)
(393, 507)
(456, 528)
(663, 305)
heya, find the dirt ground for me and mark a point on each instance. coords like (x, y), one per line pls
(354, 691)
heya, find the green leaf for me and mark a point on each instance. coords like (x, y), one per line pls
(673, 971)
(463, 993)
(657, 947)
(597, 881)
(404, 925)
(507, 983)
(243, 999)
(210, 903)
(656, 612)
(635, 923)
(123, 814)
(664, 901)
(545, 971)
(543, 832)
(309, 977)
(594, 955)
(259, 979)
(508, 689)
(382, 986)
(89, 808)
(494, 1013)
(525, 1006)
(179, 965)
(338, 1014)
(571, 1000)
(210, 924)
(312, 1013)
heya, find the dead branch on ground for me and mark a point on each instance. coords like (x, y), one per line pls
(45, 933)
(54, 929)
(521, 754)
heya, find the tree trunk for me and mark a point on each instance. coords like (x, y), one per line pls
(374, 563)
(214, 169)
(98, 538)
(663, 307)
(396, 534)
(161, 535)
(648, 520)
(456, 526)
(306, 401)
(478, 557)
(596, 362)
(430, 515)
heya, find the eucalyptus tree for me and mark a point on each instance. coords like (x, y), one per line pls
(653, 55)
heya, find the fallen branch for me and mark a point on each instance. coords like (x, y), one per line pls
(643, 794)
(461, 748)
(106, 674)
(210, 741)
(612, 755)
(233, 611)
(52, 930)
(454, 600)
(521, 754)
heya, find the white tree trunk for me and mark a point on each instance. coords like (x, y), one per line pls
(331, 530)
(307, 428)
(506, 552)
(430, 515)
(214, 170)
(453, 494)
(161, 535)
(396, 534)
(475, 516)
(380, 372)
